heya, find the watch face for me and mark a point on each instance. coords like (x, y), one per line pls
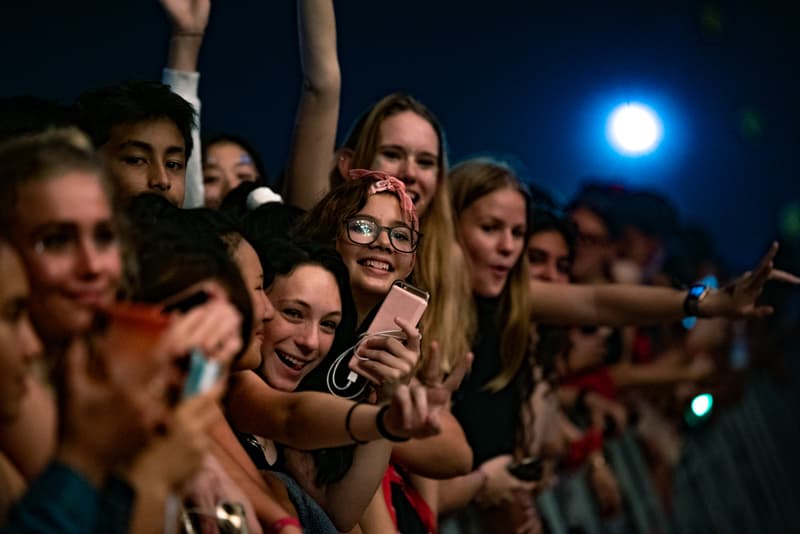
(697, 290)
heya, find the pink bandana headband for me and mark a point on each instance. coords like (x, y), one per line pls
(384, 182)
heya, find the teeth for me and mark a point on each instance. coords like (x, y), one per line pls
(382, 265)
(290, 361)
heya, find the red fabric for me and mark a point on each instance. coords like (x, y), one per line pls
(642, 347)
(591, 441)
(394, 476)
(598, 380)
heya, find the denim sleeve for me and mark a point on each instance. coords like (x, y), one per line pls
(64, 502)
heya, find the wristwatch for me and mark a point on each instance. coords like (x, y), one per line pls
(691, 304)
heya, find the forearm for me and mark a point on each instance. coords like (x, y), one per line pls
(318, 57)
(314, 136)
(376, 519)
(347, 500)
(647, 374)
(446, 455)
(256, 408)
(149, 511)
(606, 304)
(456, 493)
(184, 50)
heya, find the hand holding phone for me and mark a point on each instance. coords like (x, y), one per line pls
(390, 349)
(528, 469)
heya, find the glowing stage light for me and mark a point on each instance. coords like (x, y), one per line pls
(634, 129)
(699, 409)
(702, 404)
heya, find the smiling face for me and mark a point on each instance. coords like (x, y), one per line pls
(18, 342)
(408, 148)
(68, 241)
(252, 274)
(374, 267)
(308, 311)
(492, 230)
(226, 166)
(548, 257)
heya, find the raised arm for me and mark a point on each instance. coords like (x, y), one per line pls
(189, 20)
(314, 136)
(621, 304)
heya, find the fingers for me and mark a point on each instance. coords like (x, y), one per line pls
(388, 366)
(413, 336)
(431, 372)
(420, 400)
(783, 276)
(210, 328)
(454, 380)
(761, 272)
(402, 398)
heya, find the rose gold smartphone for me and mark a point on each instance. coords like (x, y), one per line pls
(403, 300)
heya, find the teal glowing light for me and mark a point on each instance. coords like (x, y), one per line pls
(699, 410)
(702, 404)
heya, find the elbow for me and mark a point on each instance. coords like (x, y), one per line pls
(345, 521)
(461, 461)
(326, 83)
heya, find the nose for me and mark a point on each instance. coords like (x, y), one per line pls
(382, 241)
(505, 244)
(269, 309)
(157, 178)
(89, 258)
(551, 271)
(407, 171)
(308, 340)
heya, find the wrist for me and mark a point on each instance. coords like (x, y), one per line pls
(484, 480)
(380, 424)
(187, 34)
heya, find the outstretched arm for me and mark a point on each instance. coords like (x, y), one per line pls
(311, 155)
(620, 304)
(189, 20)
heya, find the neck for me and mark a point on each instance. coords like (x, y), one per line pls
(365, 302)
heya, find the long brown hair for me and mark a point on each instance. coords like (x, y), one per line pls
(471, 180)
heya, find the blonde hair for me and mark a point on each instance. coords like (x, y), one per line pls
(470, 181)
(44, 155)
(449, 319)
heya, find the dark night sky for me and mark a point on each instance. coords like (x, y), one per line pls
(532, 84)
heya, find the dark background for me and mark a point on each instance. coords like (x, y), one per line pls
(531, 84)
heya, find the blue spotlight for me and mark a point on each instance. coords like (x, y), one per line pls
(634, 129)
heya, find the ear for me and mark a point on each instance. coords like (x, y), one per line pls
(344, 161)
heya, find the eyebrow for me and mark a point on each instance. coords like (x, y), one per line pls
(297, 302)
(143, 145)
(135, 143)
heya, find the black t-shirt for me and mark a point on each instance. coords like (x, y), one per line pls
(489, 419)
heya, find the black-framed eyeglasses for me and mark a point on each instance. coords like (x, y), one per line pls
(365, 231)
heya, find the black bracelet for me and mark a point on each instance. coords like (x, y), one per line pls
(382, 427)
(347, 424)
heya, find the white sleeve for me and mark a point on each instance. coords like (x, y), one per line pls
(184, 84)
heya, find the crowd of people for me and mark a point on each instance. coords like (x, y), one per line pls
(186, 350)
